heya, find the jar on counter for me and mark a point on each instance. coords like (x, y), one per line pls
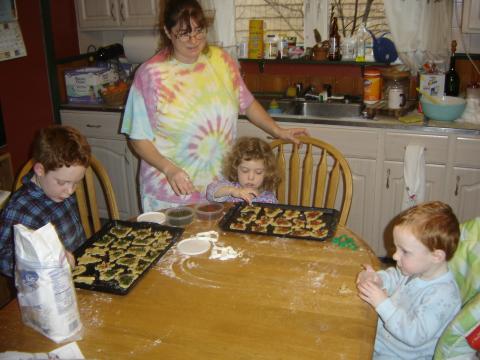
(371, 86)
(396, 96)
(271, 47)
(390, 75)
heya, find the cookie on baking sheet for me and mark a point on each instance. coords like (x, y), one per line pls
(86, 259)
(316, 224)
(300, 232)
(251, 208)
(238, 226)
(272, 212)
(298, 223)
(246, 217)
(291, 214)
(312, 214)
(264, 220)
(105, 240)
(84, 279)
(120, 231)
(79, 269)
(282, 222)
(95, 250)
(125, 280)
(129, 261)
(282, 230)
(320, 233)
(262, 228)
(120, 244)
(143, 241)
(110, 274)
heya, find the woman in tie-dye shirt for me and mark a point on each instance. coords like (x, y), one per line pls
(182, 110)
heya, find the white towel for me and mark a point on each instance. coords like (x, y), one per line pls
(414, 174)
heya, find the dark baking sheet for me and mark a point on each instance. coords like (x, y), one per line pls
(146, 261)
(329, 217)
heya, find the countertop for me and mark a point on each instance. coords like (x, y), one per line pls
(380, 121)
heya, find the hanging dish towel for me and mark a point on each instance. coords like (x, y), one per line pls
(414, 174)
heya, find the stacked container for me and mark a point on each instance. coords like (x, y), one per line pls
(255, 39)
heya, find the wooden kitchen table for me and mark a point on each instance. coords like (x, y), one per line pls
(281, 299)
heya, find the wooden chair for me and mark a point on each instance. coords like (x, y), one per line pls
(87, 195)
(313, 177)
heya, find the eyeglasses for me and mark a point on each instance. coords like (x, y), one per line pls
(198, 34)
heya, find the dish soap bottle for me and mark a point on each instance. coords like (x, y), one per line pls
(452, 80)
(361, 38)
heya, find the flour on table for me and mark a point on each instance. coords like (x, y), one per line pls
(224, 252)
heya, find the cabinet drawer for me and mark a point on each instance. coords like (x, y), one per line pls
(94, 124)
(356, 143)
(467, 152)
(436, 146)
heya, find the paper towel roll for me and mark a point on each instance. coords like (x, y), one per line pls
(140, 47)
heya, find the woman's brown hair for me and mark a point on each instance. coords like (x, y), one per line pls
(61, 145)
(251, 148)
(434, 224)
(181, 12)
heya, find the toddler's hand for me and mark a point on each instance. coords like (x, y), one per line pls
(246, 194)
(369, 275)
(371, 293)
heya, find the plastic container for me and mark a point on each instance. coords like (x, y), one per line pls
(208, 211)
(179, 216)
(152, 216)
(371, 86)
(449, 109)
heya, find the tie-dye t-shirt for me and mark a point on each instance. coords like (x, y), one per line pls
(190, 113)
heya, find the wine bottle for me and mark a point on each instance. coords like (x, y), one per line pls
(334, 40)
(452, 80)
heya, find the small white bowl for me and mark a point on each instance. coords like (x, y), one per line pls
(152, 216)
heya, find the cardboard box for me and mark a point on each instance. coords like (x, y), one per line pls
(433, 84)
(83, 84)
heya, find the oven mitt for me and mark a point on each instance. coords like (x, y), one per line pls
(461, 338)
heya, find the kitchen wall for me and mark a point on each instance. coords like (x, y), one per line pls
(24, 88)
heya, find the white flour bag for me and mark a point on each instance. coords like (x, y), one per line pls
(46, 294)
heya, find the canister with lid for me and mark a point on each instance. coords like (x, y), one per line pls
(391, 75)
(371, 86)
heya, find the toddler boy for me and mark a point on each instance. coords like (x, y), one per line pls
(61, 156)
(417, 299)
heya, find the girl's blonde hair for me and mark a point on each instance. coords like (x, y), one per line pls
(252, 148)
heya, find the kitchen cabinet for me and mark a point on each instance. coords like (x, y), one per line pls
(376, 158)
(464, 186)
(116, 14)
(471, 16)
(6, 172)
(111, 148)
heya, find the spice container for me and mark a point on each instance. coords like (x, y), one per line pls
(271, 47)
(255, 39)
(371, 86)
(208, 211)
(179, 216)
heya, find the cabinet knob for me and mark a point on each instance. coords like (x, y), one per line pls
(94, 126)
(388, 179)
(457, 185)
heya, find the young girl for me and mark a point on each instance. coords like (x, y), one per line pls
(250, 174)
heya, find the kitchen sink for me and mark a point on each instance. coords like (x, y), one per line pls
(306, 108)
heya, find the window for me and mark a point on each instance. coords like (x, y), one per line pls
(289, 17)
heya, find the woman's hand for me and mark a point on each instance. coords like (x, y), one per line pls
(291, 134)
(246, 194)
(179, 180)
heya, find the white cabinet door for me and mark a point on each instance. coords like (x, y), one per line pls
(360, 218)
(471, 16)
(138, 13)
(391, 195)
(119, 163)
(97, 14)
(465, 194)
(116, 14)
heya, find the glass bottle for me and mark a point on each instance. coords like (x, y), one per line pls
(361, 37)
(452, 80)
(334, 40)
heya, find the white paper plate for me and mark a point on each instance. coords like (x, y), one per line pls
(153, 216)
(193, 246)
